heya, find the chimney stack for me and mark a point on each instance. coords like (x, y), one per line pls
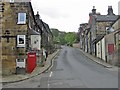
(110, 11)
(93, 10)
(37, 15)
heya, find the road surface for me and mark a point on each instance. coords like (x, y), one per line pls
(72, 69)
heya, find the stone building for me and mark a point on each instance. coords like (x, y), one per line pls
(108, 46)
(44, 30)
(100, 36)
(99, 25)
(1, 10)
(47, 37)
(83, 36)
(81, 31)
(49, 44)
(17, 21)
(114, 37)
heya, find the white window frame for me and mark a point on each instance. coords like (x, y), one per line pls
(48, 38)
(19, 18)
(118, 36)
(21, 63)
(18, 43)
(12, 1)
(107, 28)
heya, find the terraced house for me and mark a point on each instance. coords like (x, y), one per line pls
(47, 36)
(97, 37)
(1, 10)
(99, 25)
(111, 42)
(21, 33)
(14, 34)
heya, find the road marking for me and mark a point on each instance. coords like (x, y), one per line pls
(58, 83)
(50, 74)
(48, 86)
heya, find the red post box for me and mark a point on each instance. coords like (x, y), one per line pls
(31, 62)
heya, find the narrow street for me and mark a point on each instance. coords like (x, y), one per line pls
(72, 69)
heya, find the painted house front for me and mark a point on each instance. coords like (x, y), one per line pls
(36, 42)
(101, 49)
(98, 46)
(116, 35)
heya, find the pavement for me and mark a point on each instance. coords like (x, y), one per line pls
(99, 61)
(37, 71)
(49, 63)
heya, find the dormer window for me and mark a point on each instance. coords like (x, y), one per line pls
(21, 18)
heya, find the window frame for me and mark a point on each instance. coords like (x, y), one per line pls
(12, 1)
(19, 18)
(18, 43)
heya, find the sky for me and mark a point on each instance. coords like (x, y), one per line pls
(67, 15)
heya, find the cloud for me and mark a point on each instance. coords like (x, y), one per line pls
(119, 8)
(51, 8)
(66, 15)
(54, 13)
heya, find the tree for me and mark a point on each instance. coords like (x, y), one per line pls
(62, 38)
(55, 32)
(58, 36)
(70, 38)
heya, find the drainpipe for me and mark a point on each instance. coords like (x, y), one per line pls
(101, 49)
(90, 43)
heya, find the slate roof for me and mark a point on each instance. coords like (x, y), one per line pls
(98, 39)
(33, 32)
(105, 18)
(46, 26)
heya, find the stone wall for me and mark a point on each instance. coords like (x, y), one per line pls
(101, 28)
(10, 30)
(111, 58)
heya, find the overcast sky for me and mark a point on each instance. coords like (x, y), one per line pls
(66, 15)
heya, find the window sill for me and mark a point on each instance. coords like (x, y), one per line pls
(21, 23)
